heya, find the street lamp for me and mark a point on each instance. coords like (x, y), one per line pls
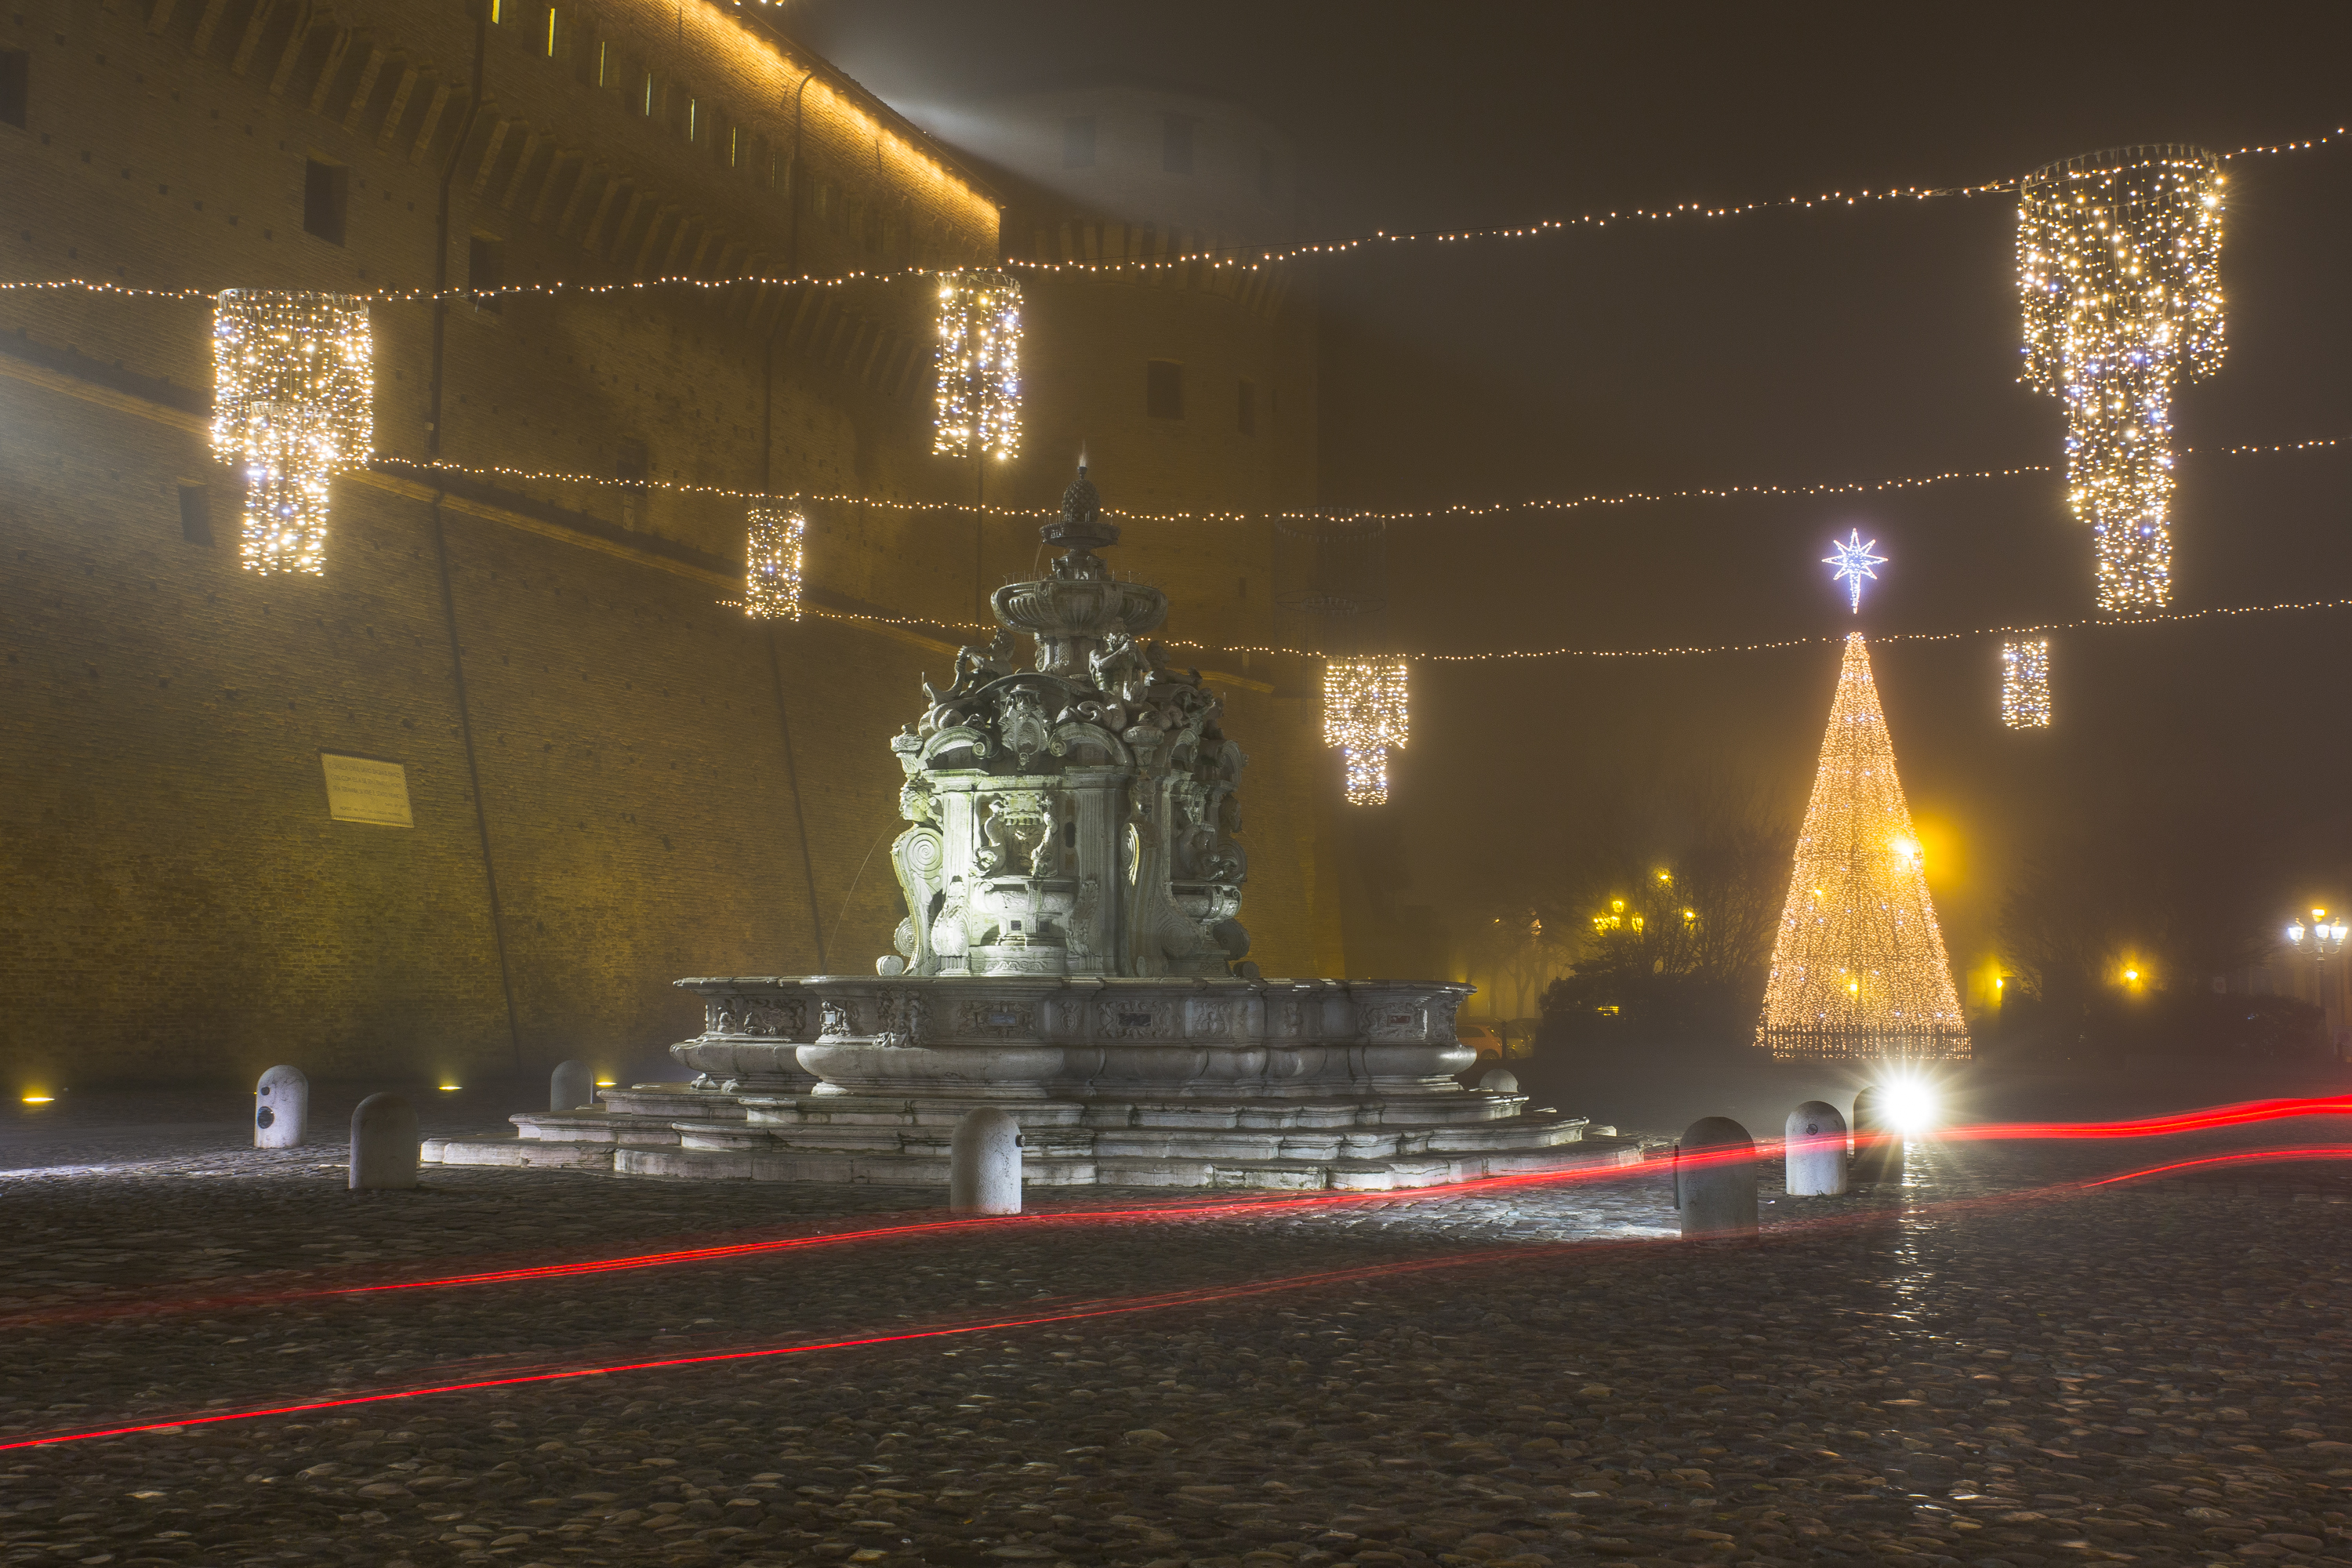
(2323, 941)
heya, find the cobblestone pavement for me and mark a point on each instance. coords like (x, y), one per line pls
(1979, 1366)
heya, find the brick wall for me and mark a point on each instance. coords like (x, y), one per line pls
(174, 901)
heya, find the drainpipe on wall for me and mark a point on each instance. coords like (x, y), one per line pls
(767, 473)
(440, 535)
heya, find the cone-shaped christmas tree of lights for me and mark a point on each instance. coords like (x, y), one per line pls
(1858, 968)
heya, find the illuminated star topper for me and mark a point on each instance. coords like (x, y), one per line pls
(1854, 562)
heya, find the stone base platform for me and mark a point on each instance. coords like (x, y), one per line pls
(1402, 1142)
(1158, 1081)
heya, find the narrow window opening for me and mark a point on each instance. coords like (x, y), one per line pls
(485, 270)
(633, 467)
(1176, 144)
(326, 198)
(196, 513)
(1163, 389)
(16, 86)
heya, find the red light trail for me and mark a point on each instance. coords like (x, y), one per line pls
(1199, 1296)
(2238, 1157)
(2250, 1113)
(2245, 1113)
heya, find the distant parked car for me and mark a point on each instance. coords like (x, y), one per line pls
(1514, 1041)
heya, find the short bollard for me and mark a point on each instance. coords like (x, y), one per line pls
(1877, 1142)
(572, 1086)
(1815, 1148)
(281, 1107)
(383, 1143)
(1715, 1179)
(984, 1163)
(1499, 1081)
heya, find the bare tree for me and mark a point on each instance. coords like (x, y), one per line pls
(1676, 895)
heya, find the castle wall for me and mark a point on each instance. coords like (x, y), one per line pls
(175, 902)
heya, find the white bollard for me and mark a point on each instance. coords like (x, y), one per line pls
(383, 1143)
(1715, 1179)
(1877, 1144)
(281, 1107)
(984, 1163)
(1499, 1081)
(1815, 1148)
(572, 1086)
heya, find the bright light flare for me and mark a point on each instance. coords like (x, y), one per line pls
(1912, 1106)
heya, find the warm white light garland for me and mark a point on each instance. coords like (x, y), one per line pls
(2118, 262)
(1364, 715)
(1454, 510)
(772, 564)
(1246, 260)
(293, 404)
(979, 365)
(2025, 683)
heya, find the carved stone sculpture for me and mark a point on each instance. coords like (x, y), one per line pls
(1100, 767)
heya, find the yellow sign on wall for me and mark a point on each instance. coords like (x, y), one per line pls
(362, 789)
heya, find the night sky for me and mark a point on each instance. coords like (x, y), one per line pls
(1786, 347)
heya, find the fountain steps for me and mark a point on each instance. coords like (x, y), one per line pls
(1061, 1164)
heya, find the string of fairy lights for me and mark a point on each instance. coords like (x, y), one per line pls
(1706, 651)
(1454, 511)
(2118, 259)
(1211, 256)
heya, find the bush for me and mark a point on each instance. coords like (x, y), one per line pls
(2176, 1028)
(1663, 1013)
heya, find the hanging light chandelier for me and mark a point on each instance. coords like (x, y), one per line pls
(978, 406)
(2118, 261)
(1364, 715)
(293, 404)
(771, 562)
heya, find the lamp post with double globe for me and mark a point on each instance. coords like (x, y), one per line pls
(2323, 940)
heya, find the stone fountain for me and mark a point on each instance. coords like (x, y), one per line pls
(1071, 954)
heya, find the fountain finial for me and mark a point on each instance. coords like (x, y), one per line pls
(1081, 526)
